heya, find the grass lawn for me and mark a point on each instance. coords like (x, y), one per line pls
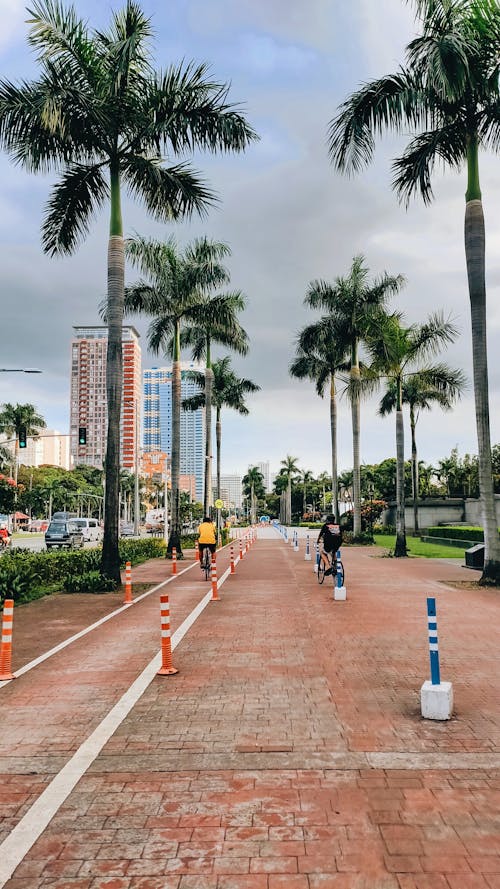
(417, 548)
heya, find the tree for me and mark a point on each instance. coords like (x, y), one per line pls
(449, 93)
(253, 488)
(352, 303)
(172, 295)
(228, 391)
(439, 385)
(20, 418)
(397, 352)
(101, 117)
(289, 470)
(319, 357)
(217, 322)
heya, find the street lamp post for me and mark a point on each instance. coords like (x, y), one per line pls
(19, 370)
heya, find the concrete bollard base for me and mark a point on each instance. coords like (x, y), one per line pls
(436, 701)
(307, 557)
(340, 594)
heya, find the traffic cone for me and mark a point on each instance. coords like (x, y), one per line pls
(215, 596)
(167, 668)
(241, 549)
(174, 560)
(6, 643)
(232, 560)
(128, 584)
(196, 552)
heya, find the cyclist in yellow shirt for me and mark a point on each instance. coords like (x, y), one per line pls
(206, 537)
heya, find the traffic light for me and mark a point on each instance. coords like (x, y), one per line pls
(82, 435)
(22, 437)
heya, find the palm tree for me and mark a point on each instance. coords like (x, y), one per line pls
(438, 384)
(289, 470)
(228, 391)
(307, 479)
(172, 295)
(397, 351)
(253, 488)
(217, 323)
(319, 358)
(16, 419)
(353, 302)
(449, 93)
(100, 116)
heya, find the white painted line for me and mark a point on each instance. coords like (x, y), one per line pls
(25, 834)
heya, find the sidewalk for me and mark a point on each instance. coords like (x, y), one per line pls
(287, 753)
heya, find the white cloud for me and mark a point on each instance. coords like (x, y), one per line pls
(12, 15)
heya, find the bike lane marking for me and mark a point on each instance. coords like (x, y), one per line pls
(38, 817)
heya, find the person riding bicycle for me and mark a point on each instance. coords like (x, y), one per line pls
(206, 537)
(4, 537)
(330, 537)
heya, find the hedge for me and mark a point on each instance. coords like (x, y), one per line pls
(456, 533)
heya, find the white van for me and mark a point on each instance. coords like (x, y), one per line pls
(91, 529)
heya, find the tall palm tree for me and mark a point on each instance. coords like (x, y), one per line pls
(319, 357)
(353, 302)
(289, 470)
(253, 488)
(448, 93)
(18, 418)
(438, 384)
(101, 117)
(217, 322)
(397, 352)
(172, 295)
(228, 391)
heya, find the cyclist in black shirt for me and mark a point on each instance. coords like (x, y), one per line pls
(330, 538)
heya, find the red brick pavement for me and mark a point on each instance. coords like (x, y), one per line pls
(289, 751)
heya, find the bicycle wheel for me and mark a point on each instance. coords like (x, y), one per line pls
(321, 571)
(206, 563)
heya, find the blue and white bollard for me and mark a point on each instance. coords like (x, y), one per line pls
(436, 697)
(295, 541)
(316, 561)
(307, 557)
(285, 535)
(340, 592)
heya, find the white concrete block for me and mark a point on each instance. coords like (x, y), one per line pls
(436, 701)
(340, 593)
(307, 557)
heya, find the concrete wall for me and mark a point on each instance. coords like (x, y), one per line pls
(473, 511)
(435, 512)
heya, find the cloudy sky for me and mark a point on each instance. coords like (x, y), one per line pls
(287, 216)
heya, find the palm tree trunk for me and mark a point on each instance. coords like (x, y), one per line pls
(356, 426)
(174, 539)
(209, 377)
(289, 501)
(110, 560)
(400, 548)
(218, 439)
(333, 432)
(414, 468)
(475, 258)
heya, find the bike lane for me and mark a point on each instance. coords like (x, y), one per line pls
(288, 751)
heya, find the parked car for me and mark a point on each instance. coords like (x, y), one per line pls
(64, 533)
(126, 529)
(37, 525)
(92, 531)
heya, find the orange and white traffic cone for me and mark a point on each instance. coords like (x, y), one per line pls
(128, 584)
(6, 643)
(241, 549)
(232, 559)
(247, 545)
(215, 596)
(167, 668)
(196, 552)
(174, 560)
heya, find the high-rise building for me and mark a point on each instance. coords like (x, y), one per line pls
(158, 421)
(264, 469)
(89, 411)
(230, 489)
(51, 448)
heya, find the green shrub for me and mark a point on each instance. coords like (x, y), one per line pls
(456, 533)
(88, 582)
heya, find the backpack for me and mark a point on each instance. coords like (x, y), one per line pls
(332, 537)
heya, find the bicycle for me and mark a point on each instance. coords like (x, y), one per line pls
(206, 562)
(335, 574)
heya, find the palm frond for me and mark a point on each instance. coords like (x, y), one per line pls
(194, 402)
(73, 202)
(167, 192)
(127, 55)
(413, 170)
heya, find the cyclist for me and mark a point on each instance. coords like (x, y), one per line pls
(330, 537)
(4, 537)
(206, 537)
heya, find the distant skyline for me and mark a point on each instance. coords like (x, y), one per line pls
(286, 215)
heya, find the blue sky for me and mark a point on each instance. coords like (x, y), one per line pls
(286, 215)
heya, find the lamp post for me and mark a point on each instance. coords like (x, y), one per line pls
(371, 492)
(19, 370)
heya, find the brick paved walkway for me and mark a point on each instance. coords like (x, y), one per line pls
(288, 752)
